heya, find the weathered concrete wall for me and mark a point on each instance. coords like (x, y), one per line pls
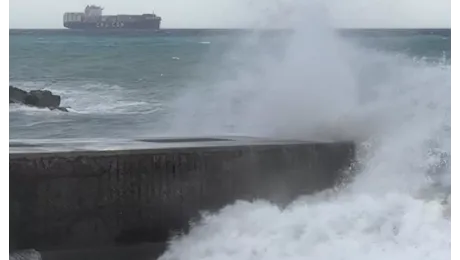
(71, 200)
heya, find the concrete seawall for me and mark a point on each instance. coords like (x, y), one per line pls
(144, 191)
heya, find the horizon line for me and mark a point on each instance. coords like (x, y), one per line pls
(248, 28)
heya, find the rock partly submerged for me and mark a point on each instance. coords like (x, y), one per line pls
(36, 98)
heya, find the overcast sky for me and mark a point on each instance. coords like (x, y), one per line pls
(238, 13)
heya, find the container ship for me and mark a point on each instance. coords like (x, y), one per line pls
(92, 19)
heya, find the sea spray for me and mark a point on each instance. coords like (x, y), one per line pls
(395, 108)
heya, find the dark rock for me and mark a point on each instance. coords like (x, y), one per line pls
(17, 95)
(63, 109)
(36, 98)
(42, 98)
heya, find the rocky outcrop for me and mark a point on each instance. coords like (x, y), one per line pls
(36, 98)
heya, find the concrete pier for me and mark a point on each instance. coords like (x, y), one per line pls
(72, 195)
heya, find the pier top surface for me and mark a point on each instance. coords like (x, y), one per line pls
(50, 146)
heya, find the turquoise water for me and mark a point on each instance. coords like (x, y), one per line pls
(123, 85)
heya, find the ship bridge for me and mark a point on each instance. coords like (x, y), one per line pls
(93, 11)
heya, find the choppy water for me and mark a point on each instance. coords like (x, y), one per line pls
(129, 85)
(390, 94)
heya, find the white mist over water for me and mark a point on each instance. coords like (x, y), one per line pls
(397, 110)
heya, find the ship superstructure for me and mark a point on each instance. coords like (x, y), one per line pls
(92, 18)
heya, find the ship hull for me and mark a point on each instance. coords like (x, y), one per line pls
(140, 25)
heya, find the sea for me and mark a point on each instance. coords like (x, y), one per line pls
(386, 90)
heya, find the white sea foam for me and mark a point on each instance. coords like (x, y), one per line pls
(397, 110)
